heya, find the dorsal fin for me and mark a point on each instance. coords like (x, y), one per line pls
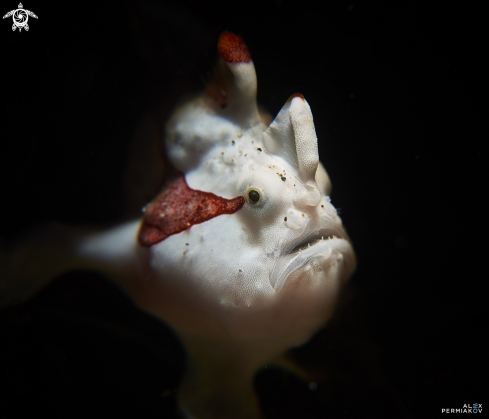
(279, 138)
(236, 82)
(292, 136)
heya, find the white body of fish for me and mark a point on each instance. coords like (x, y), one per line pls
(238, 288)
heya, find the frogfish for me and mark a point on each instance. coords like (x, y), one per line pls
(241, 253)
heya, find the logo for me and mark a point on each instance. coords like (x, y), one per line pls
(20, 17)
(467, 408)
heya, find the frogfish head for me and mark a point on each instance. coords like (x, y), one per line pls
(245, 242)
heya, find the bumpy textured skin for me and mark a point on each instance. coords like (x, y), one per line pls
(236, 284)
(232, 49)
(178, 208)
(237, 272)
(242, 285)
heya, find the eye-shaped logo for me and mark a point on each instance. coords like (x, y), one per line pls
(20, 17)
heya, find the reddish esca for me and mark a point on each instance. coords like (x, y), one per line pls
(232, 49)
(178, 208)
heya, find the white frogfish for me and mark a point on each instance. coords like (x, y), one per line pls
(242, 253)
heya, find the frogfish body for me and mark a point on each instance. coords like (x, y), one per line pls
(242, 253)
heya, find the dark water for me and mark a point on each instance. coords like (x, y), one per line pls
(396, 90)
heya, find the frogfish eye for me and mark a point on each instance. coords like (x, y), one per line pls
(254, 196)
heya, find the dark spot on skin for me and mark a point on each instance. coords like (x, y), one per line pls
(233, 142)
(259, 149)
(303, 215)
(183, 253)
(285, 218)
(186, 244)
(240, 270)
(283, 179)
(254, 196)
(322, 206)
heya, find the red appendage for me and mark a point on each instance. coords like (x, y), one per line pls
(178, 208)
(232, 48)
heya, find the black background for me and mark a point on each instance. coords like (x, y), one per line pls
(397, 92)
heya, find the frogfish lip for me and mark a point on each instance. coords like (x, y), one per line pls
(319, 244)
(329, 233)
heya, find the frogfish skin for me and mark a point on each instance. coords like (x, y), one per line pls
(242, 252)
